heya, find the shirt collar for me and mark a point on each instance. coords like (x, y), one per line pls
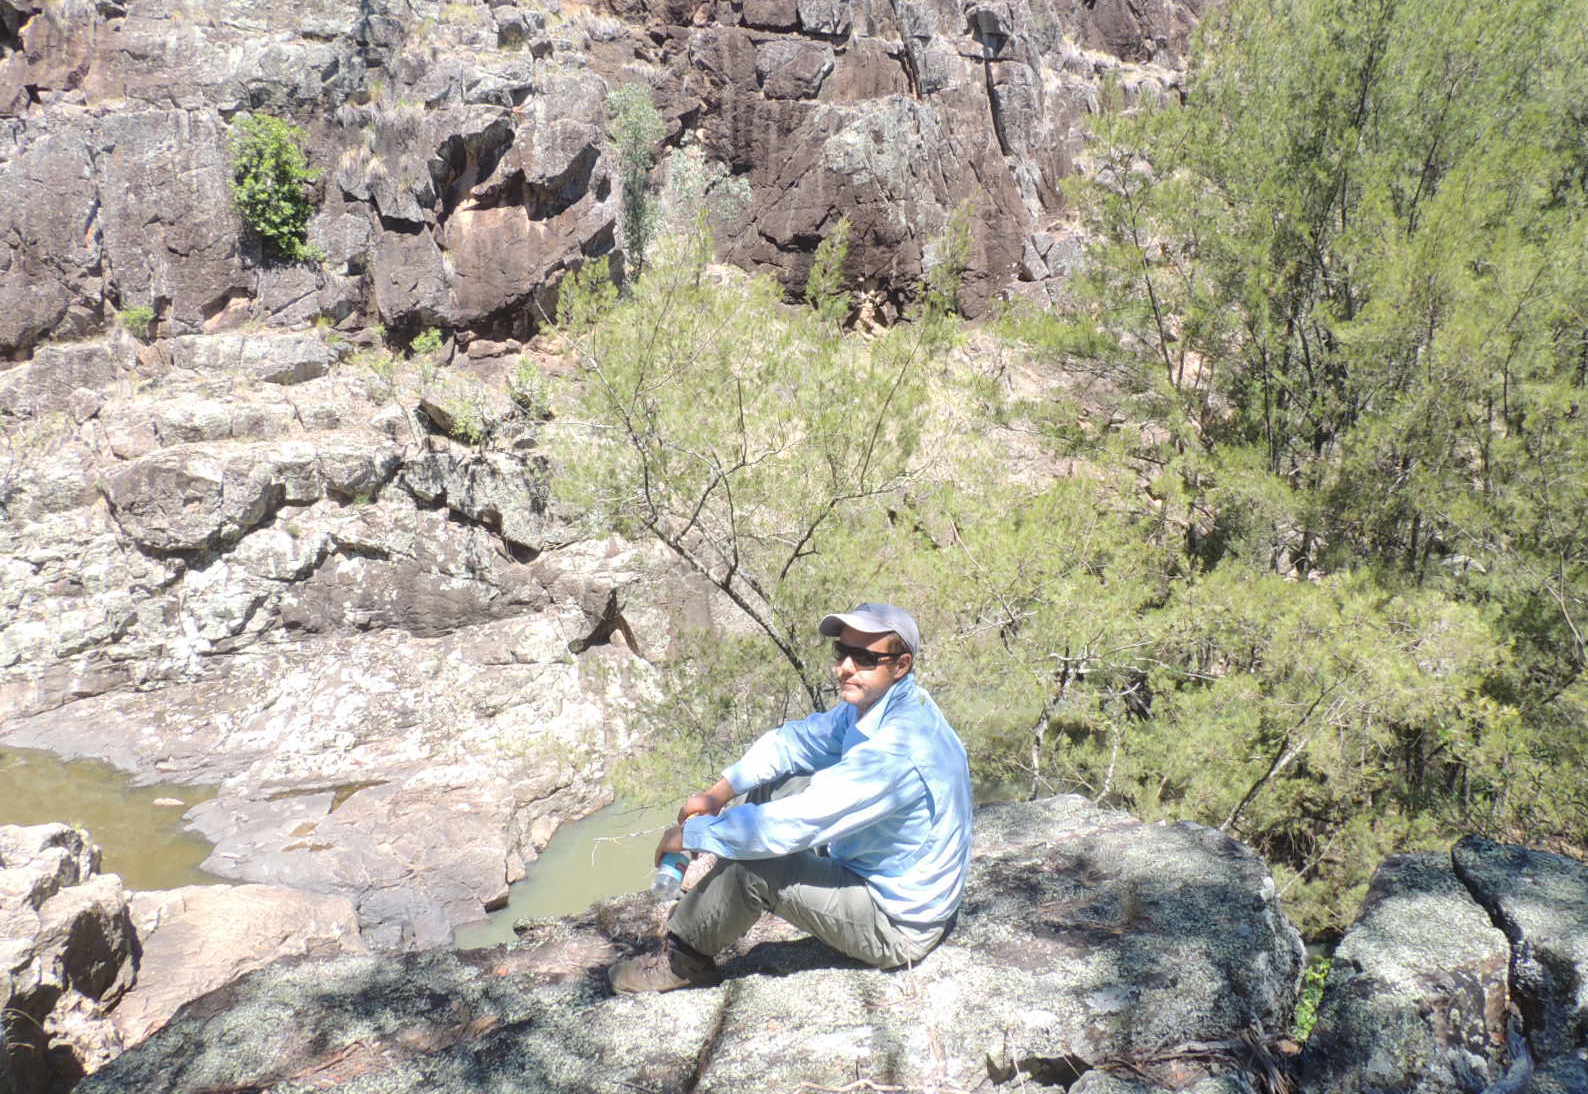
(868, 722)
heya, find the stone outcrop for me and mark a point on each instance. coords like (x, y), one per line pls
(69, 954)
(91, 968)
(1465, 973)
(462, 157)
(247, 561)
(200, 937)
(1540, 901)
(1417, 995)
(1093, 951)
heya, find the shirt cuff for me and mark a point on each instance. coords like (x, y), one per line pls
(694, 832)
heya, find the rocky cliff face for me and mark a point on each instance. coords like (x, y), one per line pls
(464, 163)
(243, 560)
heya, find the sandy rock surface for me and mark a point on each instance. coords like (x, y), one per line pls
(199, 937)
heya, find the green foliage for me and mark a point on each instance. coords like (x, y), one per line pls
(1316, 573)
(383, 370)
(824, 287)
(586, 298)
(1075, 338)
(527, 389)
(467, 418)
(697, 191)
(706, 726)
(1348, 278)
(427, 343)
(136, 320)
(635, 129)
(1358, 251)
(947, 258)
(271, 181)
(736, 431)
(1312, 984)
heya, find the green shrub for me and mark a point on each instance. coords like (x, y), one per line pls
(136, 321)
(636, 127)
(470, 424)
(428, 342)
(824, 288)
(527, 389)
(1312, 984)
(947, 258)
(271, 180)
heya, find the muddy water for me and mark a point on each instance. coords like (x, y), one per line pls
(138, 830)
(600, 857)
(586, 861)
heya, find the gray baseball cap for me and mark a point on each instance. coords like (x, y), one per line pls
(870, 618)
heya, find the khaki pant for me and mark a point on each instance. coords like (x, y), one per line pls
(814, 893)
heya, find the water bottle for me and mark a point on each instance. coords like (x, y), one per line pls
(669, 876)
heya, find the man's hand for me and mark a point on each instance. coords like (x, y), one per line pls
(707, 802)
(672, 840)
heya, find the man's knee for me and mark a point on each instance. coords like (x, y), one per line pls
(756, 879)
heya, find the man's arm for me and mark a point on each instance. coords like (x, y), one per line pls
(871, 782)
(800, 747)
(709, 802)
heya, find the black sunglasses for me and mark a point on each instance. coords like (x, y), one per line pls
(862, 657)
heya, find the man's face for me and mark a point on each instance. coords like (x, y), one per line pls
(864, 686)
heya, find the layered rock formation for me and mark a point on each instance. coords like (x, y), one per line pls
(1092, 949)
(462, 153)
(90, 968)
(68, 952)
(247, 561)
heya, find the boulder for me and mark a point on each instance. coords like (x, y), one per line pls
(191, 499)
(291, 358)
(197, 938)
(1445, 949)
(1540, 901)
(1416, 998)
(793, 69)
(1091, 946)
(47, 383)
(69, 954)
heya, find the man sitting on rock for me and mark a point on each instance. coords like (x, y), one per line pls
(870, 856)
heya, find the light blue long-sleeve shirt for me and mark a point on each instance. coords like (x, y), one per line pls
(889, 794)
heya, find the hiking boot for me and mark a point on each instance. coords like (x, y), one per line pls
(675, 965)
